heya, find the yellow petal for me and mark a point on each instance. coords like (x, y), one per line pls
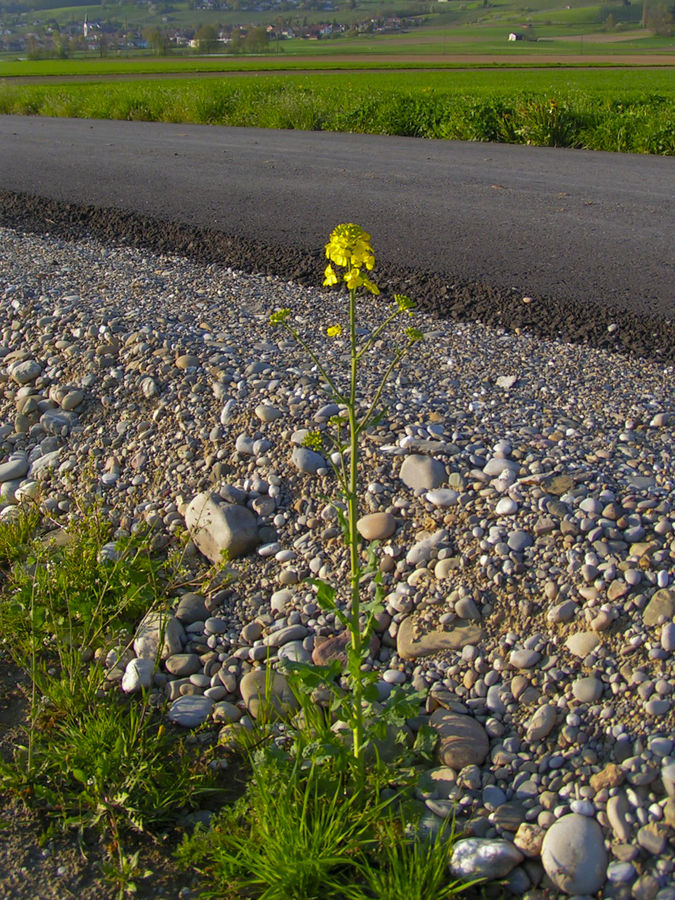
(330, 276)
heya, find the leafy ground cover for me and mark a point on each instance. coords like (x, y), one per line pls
(629, 111)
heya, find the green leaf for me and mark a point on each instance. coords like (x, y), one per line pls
(325, 593)
(371, 693)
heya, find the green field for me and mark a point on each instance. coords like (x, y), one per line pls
(621, 110)
(551, 28)
(585, 75)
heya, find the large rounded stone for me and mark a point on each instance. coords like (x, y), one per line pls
(138, 675)
(190, 711)
(72, 399)
(266, 694)
(15, 467)
(463, 740)
(376, 526)
(422, 473)
(307, 461)
(542, 722)
(58, 421)
(192, 608)
(156, 627)
(183, 664)
(25, 372)
(216, 526)
(573, 854)
(587, 690)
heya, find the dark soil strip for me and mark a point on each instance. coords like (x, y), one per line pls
(575, 321)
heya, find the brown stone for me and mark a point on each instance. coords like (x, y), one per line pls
(376, 526)
(558, 484)
(335, 647)
(662, 603)
(609, 777)
(528, 839)
(463, 740)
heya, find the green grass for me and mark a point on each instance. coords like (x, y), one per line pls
(297, 835)
(627, 110)
(90, 758)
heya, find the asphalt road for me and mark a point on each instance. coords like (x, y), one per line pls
(556, 223)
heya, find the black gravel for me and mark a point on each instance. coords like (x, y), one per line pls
(582, 322)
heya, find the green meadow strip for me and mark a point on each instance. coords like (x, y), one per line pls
(623, 111)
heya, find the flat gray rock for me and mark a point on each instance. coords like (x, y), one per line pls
(191, 608)
(44, 463)
(422, 473)
(58, 421)
(25, 372)
(153, 627)
(216, 526)
(285, 635)
(409, 646)
(190, 711)
(15, 467)
(495, 466)
(442, 497)
(308, 461)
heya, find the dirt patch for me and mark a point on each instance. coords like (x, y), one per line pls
(613, 38)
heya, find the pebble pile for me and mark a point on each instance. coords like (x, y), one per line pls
(523, 493)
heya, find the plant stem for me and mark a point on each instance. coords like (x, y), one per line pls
(355, 571)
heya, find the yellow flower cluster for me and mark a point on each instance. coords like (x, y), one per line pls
(313, 441)
(349, 247)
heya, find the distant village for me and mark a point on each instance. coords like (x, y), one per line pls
(44, 38)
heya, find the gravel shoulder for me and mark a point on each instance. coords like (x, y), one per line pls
(545, 530)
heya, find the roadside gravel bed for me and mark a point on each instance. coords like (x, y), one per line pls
(523, 490)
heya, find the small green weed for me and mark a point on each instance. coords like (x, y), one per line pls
(16, 535)
(65, 596)
(106, 762)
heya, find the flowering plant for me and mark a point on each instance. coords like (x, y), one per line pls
(349, 249)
